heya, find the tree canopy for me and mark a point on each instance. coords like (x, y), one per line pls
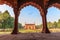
(6, 21)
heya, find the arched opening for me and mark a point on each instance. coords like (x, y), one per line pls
(6, 19)
(53, 19)
(31, 20)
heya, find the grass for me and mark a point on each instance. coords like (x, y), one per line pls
(5, 32)
(29, 31)
(55, 30)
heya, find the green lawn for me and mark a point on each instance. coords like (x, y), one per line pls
(30, 31)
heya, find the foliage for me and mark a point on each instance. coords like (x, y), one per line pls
(20, 26)
(6, 21)
(50, 25)
(39, 26)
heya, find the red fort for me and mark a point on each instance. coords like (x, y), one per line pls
(41, 5)
(30, 26)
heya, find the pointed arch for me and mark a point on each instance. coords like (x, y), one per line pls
(33, 4)
(7, 3)
(57, 5)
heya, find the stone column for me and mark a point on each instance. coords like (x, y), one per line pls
(15, 30)
(45, 28)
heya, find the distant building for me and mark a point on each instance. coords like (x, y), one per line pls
(30, 26)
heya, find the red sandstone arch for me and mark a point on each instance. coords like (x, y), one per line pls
(33, 4)
(43, 14)
(57, 5)
(39, 4)
(7, 3)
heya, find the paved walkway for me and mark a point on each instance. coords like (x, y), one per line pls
(31, 36)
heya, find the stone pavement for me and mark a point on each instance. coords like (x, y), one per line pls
(31, 36)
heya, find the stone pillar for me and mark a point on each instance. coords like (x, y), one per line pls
(15, 30)
(45, 28)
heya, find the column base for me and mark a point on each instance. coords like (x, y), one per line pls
(15, 32)
(45, 31)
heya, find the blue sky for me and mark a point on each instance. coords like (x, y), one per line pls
(6, 7)
(30, 14)
(53, 14)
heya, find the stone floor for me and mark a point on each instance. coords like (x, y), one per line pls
(31, 36)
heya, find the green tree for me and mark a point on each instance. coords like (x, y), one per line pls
(11, 22)
(55, 24)
(20, 26)
(1, 20)
(6, 21)
(59, 20)
(1, 17)
(5, 17)
(39, 26)
(50, 25)
(58, 23)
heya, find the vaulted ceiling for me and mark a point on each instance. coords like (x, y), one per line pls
(43, 3)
